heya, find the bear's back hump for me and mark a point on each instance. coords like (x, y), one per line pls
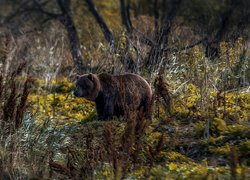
(134, 81)
(128, 81)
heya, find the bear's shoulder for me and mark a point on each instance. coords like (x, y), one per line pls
(104, 74)
(105, 77)
(108, 81)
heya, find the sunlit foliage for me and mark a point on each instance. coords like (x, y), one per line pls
(58, 104)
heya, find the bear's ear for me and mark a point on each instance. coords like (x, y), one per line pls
(91, 77)
(73, 77)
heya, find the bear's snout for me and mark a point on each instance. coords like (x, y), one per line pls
(76, 93)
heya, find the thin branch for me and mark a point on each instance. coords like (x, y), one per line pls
(186, 47)
(36, 6)
(144, 38)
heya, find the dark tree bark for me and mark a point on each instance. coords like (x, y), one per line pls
(106, 32)
(156, 13)
(75, 46)
(126, 59)
(212, 47)
(126, 21)
(66, 19)
(125, 15)
(156, 54)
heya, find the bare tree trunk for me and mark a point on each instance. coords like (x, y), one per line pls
(130, 64)
(126, 58)
(155, 59)
(212, 46)
(66, 19)
(106, 32)
(125, 15)
(75, 46)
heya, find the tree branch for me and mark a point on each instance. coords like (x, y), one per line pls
(156, 53)
(186, 47)
(40, 8)
(17, 12)
(125, 16)
(107, 33)
(64, 6)
(156, 14)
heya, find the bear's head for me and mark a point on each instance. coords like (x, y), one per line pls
(87, 86)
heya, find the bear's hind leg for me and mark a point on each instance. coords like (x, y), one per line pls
(148, 108)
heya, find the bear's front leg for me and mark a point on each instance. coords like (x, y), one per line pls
(108, 110)
(99, 110)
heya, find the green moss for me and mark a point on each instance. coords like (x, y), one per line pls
(218, 125)
(178, 157)
(223, 150)
(238, 130)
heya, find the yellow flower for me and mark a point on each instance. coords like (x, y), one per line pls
(238, 170)
(172, 166)
(106, 173)
(220, 170)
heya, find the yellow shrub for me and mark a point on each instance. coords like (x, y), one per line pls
(219, 125)
(224, 150)
(59, 105)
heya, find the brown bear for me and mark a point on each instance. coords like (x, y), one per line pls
(114, 94)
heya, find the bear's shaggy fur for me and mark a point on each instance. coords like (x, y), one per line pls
(114, 95)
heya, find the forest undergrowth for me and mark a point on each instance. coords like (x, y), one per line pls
(200, 128)
(59, 135)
